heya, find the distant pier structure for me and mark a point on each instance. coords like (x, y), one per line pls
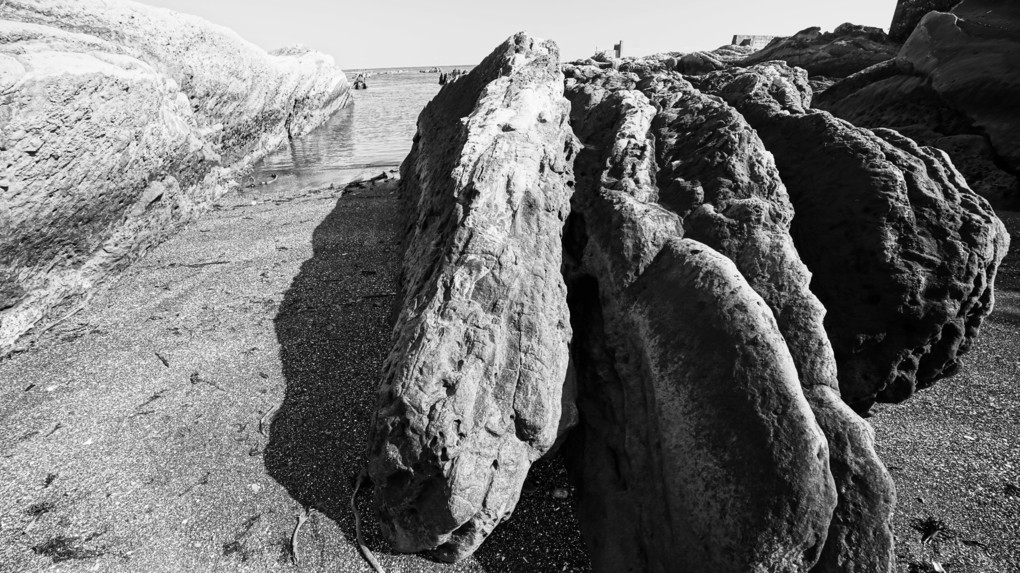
(756, 42)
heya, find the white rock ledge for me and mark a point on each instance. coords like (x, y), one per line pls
(120, 122)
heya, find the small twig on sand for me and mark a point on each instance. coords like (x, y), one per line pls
(268, 417)
(152, 399)
(60, 320)
(195, 378)
(365, 551)
(301, 519)
(205, 264)
(379, 295)
(163, 360)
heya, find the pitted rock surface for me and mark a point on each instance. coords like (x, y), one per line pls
(665, 421)
(119, 123)
(711, 169)
(903, 252)
(476, 386)
(726, 248)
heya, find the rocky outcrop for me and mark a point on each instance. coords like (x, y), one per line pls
(951, 86)
(846, 50)
(711, 216)
(475, 388)
(903, 253)
(716, 183)
(909, 13)
(681, 462)
(663, 414)
(119, 123)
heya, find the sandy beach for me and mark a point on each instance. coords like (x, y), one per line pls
(139, 435)
(131, 433)
(953, 449)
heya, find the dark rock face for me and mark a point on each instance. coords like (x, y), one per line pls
(909, 13)
(475, 388)
(715, 176)
(952, 86)
(903, 253)
(846, 50)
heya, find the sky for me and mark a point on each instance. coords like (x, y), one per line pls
(410, 33)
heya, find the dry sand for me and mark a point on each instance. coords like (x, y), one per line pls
(112, 460)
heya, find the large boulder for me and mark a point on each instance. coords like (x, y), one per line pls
(953, 86)
(118, 123)
(717, 183)
(476, 387)
(909, 13)
(711, 216)
(846, 50)
(903, 252)
(671, 344)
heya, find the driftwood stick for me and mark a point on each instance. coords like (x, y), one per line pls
(365, 551)
(301, 519)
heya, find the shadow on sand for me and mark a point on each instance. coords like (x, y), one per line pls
(334, 333)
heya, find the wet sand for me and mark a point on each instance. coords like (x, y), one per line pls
(130, 438)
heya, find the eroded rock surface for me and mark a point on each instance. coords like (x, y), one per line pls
(666, 421)
(846, 50)
(903, 252)
(707, 172)
(119, 123)
(476, 389)
(953, 86)
(712, 214)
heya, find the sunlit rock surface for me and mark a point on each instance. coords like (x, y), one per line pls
(476, 386)
(118, 123)
(844, 51)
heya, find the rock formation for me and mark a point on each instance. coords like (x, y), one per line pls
(717, 184)
(474, 390)
(903, 253)
(909, 13)
(953, 86)
(846, 50)
(725, 249)
(120, 122)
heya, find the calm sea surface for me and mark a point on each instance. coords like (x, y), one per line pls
(372, 134)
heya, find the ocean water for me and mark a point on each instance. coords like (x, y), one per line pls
(371, 135)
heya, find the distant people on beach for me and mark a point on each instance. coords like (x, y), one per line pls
(359, 82)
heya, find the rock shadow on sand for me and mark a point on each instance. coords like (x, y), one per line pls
(334, 328)
(333, 331)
